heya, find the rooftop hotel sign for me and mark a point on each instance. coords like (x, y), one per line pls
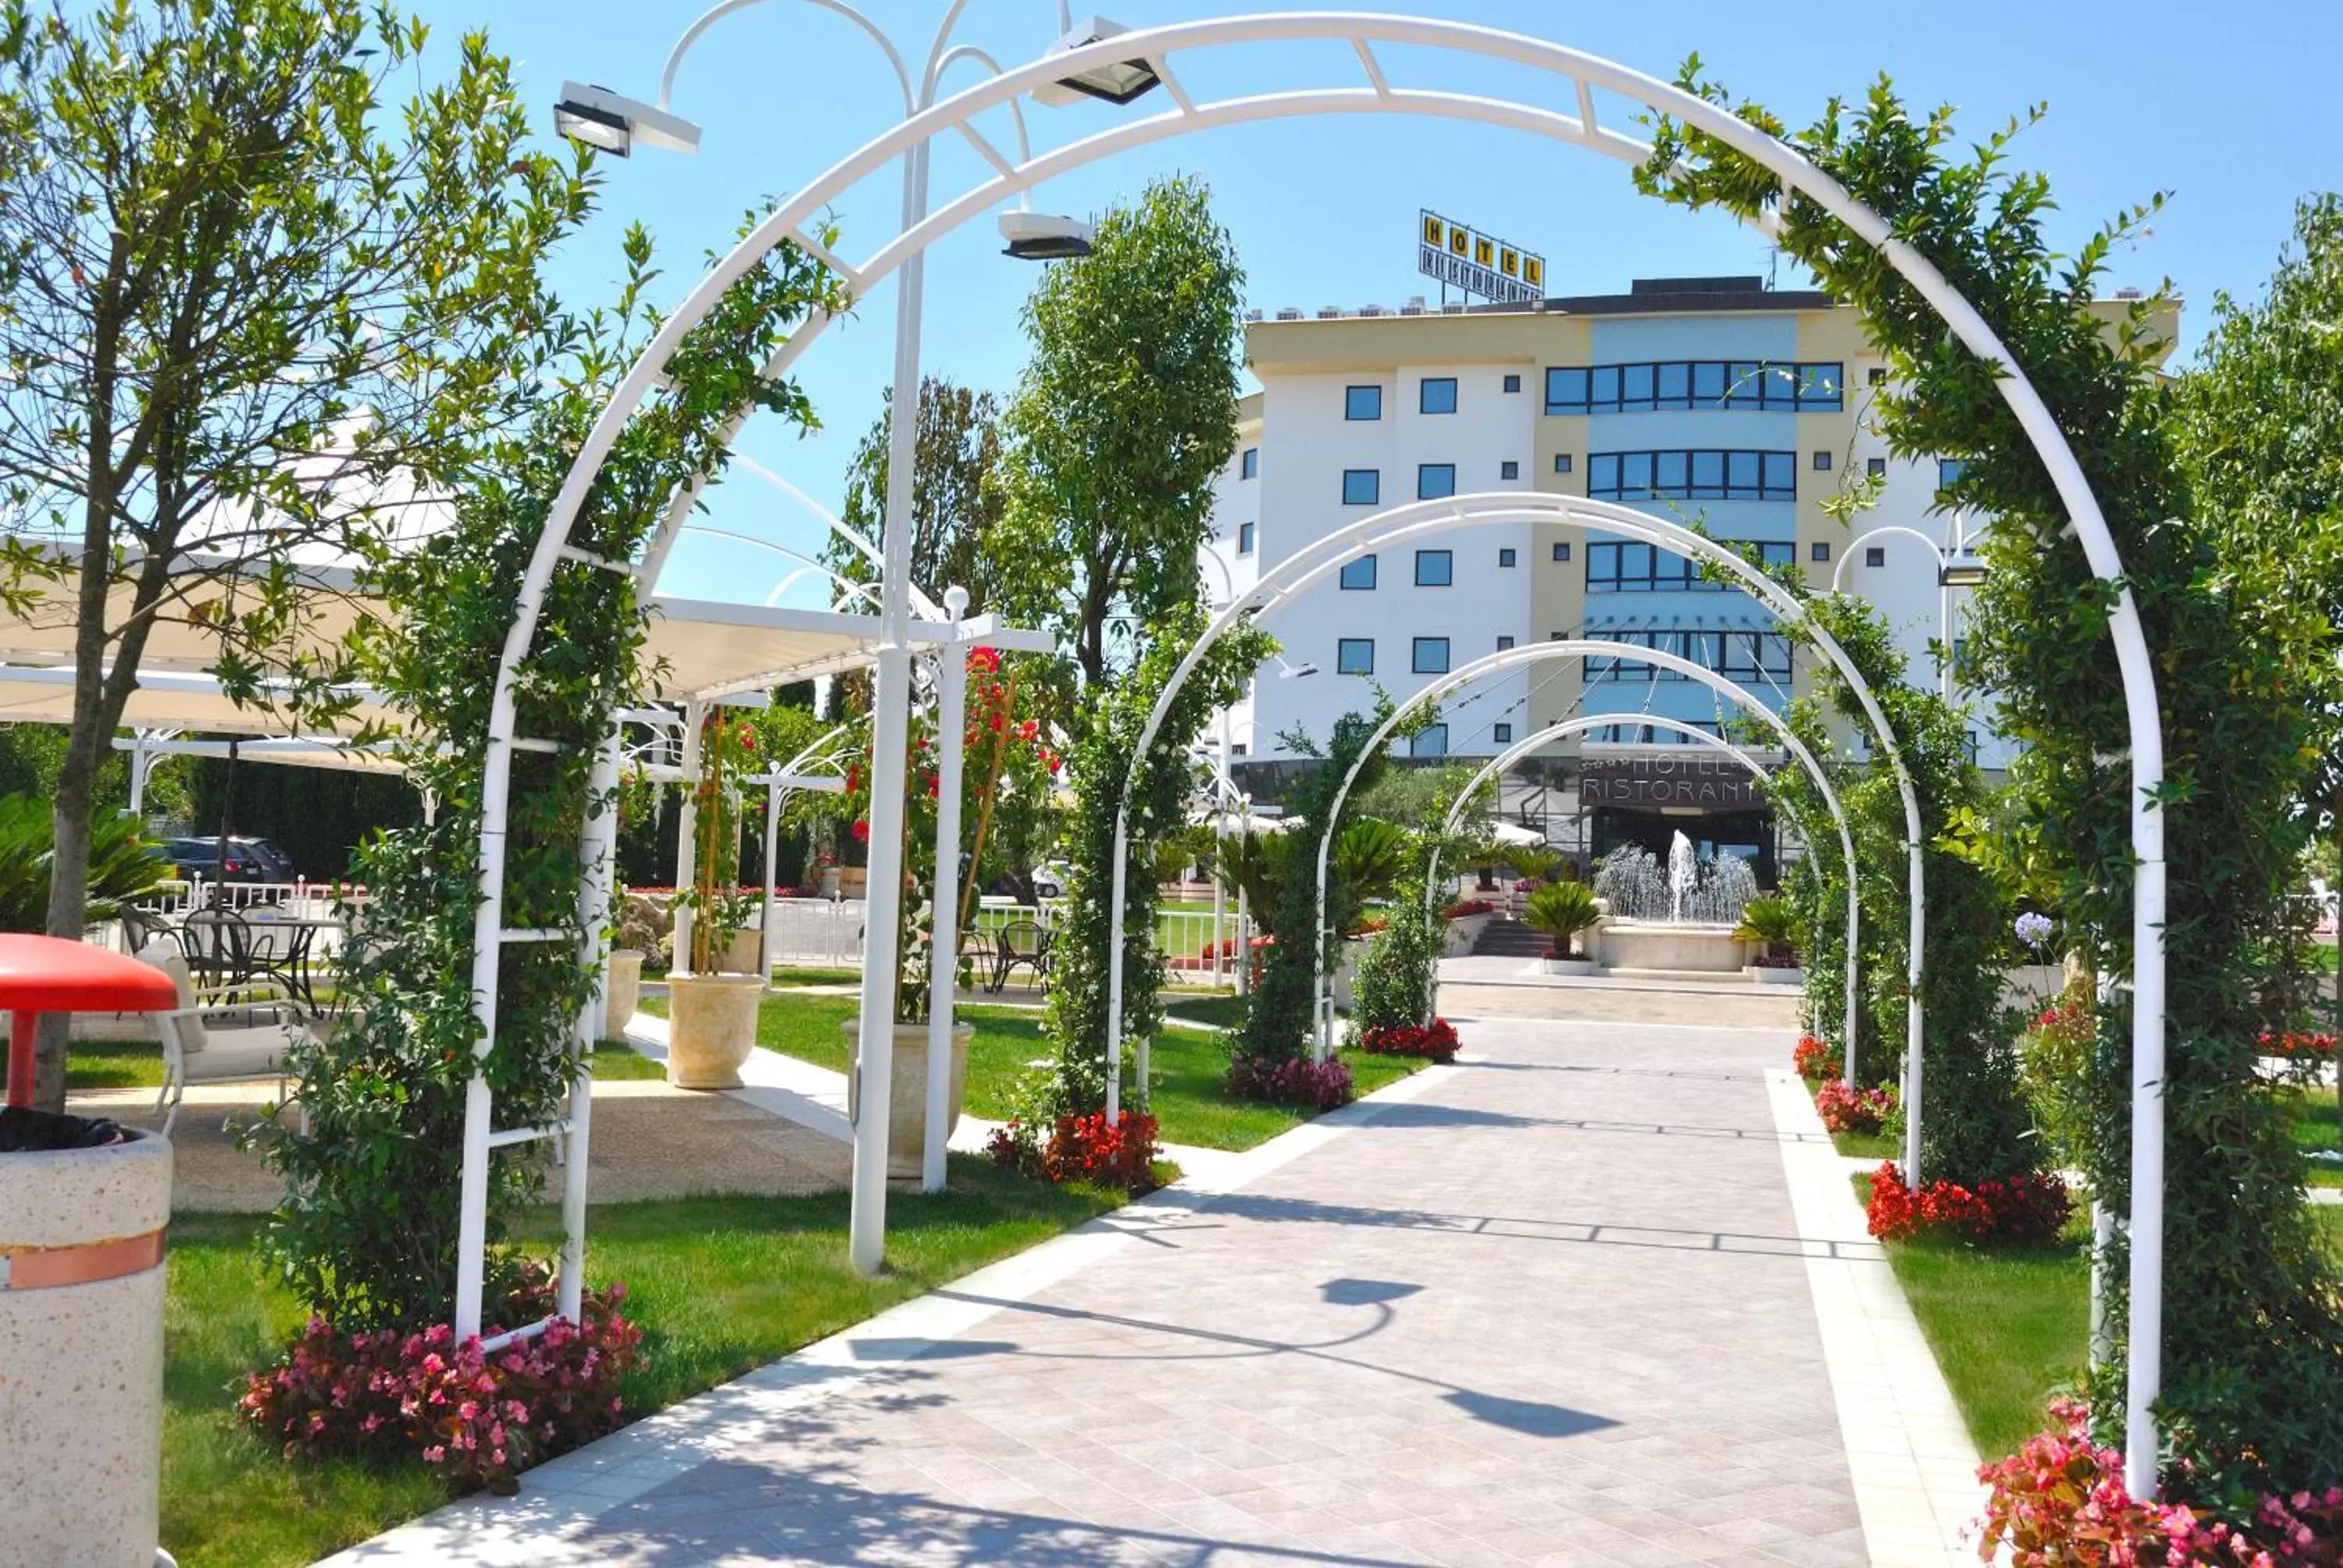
(1706, 783)
(1477, 263)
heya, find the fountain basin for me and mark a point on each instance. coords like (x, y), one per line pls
(1686, 947)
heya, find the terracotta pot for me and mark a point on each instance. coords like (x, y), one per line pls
(711, 1028)
(81, 1451)
(907, 1120)
(625, 992)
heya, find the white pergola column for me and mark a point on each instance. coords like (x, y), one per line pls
(686, 829)
(943, 938)
(772, 849)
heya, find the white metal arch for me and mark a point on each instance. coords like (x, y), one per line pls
(1322, 999)
(1583, 73)
(1496, 766)
(1315, 561)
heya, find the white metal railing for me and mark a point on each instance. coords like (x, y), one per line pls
(304, 898)
(1185, 937)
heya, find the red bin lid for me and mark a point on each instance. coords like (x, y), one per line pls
(52, 974)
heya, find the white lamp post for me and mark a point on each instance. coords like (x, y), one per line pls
(1954, 568)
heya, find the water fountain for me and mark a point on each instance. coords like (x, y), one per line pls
(1679, 919)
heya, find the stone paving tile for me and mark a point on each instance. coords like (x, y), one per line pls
(1551, 1309)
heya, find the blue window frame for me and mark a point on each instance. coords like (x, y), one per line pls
(1433, 480)
(1360, 573)
(1949, 470)
(1513, 383)
(1616, 567)
(1429, 655)
(1436, 395)
(1430, 741)
(1648, 387)
(1354, 656)
(1562, 551)
(1501, 733)
(1562, 462)
(1704, 475)
(1361, 487)
(1503, 642)
(1244, 538)
(1363, 402)
(1249, 468)
(1507, 556)
(1436, 568)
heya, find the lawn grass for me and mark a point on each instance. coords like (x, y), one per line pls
(1186, 1068)
(138, 1064)
(2007, 1325)
(1221, 1011)
(786, 978)
(2313, 1120)
(720, 1285)
(615, 1059)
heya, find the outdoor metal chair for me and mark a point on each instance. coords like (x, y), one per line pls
(1022, 944)
(218, 945)
(219, 1035)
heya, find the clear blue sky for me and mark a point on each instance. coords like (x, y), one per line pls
(2228, 107)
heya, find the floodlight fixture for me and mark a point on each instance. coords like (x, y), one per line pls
(1044, 237)
(613, 123)
(1117, 83)
(1961, 573)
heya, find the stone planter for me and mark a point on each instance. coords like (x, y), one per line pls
(829, 881)
(711, 1028)
(1346, 973)
(81, 1445)
(1765, 974)
(738, 956)
(1463, 931)
(906, 1092)
(1568, 965)
(625, 991)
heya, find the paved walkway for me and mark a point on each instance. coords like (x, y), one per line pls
(1568, 1301)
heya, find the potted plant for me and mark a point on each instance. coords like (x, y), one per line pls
(712, 1008)
(1005, 767)
(1767, 926)
(1561, 911)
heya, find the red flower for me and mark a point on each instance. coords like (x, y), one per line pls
(861, 832)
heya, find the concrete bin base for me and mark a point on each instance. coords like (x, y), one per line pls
(81, 1359)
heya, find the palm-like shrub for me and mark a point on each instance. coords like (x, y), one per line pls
(122, 866)
(1769, 922)
(1561, 911)
(1370, 858)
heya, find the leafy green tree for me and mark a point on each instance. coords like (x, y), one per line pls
(2253, 1324)
(247, 307)
(122, 867)
(1124, 415)
(954, 502)
(2261, 429)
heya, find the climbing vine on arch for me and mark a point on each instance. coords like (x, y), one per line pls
(2253, 1326)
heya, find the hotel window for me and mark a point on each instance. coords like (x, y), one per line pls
(1822, 462)
(1821, 551)
(1874, 467)
(1505, 557)
(1502, 734)
(1616, 567)
(1509, 470)
(1735, 655)
(1249, 466)
(1430, 655)
(1513, 383)
(1562, 552)
(1875, 556)
(1430, 741)
(1648, 387)
(1363, 402)
(1244, 538)
(1503, 643)
(1361, 487)
(1562, 462)
(1433, 480)
(1354, 656)
(1877, 375)
(1949, 471)
(1695, 476)
(1437, 395)
(1436, 568)
(1360, 573)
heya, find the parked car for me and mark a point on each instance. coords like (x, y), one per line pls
(247, 860)
(1050, 878)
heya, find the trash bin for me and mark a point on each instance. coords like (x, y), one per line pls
(81, 1341)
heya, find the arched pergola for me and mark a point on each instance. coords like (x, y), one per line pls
(1496, 766)
(1575, 72)
(1281, 584)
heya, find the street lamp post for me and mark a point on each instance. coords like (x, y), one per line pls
(606, 120)
(1954, 568)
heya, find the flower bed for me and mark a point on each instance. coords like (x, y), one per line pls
(476, 1419)
(1433, 1041)
(1814, 1060)
(2300, 1047)
(1861, 1111)
(1314, 1085)
(2061, 1500)
(2026, 1208)
(1458, 910)
(1118, 1153)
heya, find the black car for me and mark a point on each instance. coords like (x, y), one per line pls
(247, 860)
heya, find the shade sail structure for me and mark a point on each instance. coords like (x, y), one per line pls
(701, 649)
(166, 699)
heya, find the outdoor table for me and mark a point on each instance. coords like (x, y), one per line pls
(52, 974)
(292, 964)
